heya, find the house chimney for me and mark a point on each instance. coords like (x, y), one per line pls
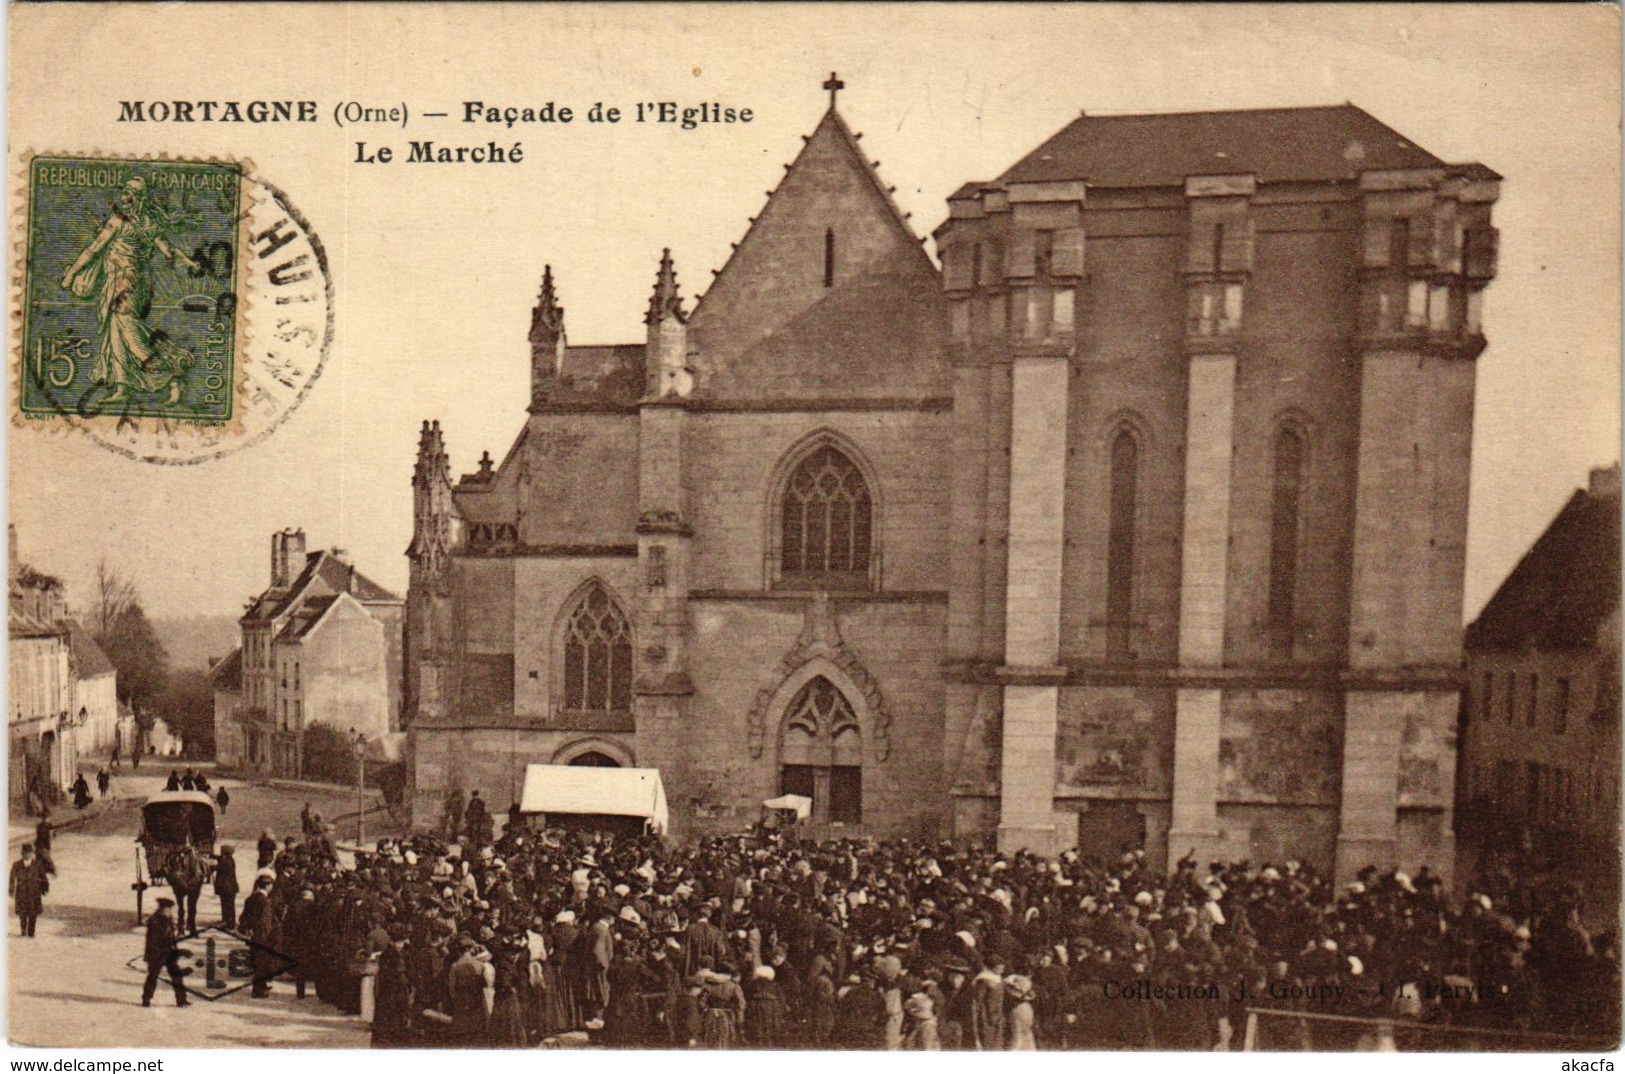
(279, 561)
(296, 553)
(1605, 481)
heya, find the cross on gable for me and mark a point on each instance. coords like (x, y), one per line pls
(834, 85)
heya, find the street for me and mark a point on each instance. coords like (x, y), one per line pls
(72, 985)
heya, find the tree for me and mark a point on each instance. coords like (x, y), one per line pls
(120, 626)
(133, 647)
(187, 705)
(115, 595)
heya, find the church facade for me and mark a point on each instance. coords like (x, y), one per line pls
(1139, 521)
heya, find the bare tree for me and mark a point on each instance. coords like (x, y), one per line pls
(115, 595)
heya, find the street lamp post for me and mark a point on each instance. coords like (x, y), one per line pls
(360, 787)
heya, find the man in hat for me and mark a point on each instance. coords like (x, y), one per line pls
(28, 887)
(225, 885)
(468, 980)
(258, 923)
(987, 1026)
(161, 955)
(703, 942)
(392, 1004)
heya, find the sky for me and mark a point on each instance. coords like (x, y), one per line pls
(436, 268)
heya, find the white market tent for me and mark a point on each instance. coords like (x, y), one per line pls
(621, 792)
(798, 802)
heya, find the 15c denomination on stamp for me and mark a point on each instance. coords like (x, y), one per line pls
(174, 310)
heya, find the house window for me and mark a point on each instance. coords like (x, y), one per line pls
(821, 756)
(1284, 518)
(1560, 707)
(825, 524)
(1531, 716)
(1512, 696)
(1488, 701)
(1125, 466)
(829, 257)
(597, 656)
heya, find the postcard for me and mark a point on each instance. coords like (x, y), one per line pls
(793, 527)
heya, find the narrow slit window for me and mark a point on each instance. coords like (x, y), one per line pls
(829, 257)
(1284, 520)
(1125, 465)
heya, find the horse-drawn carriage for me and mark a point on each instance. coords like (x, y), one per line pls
(170, 822)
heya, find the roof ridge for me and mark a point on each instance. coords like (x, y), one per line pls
(1219, 111)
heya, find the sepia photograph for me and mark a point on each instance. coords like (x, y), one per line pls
(812, 528)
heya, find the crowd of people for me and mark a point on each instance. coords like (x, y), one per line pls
(475, 939)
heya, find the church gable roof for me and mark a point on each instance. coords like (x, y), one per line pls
(830, 227)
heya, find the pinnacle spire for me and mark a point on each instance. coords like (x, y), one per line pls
(665, 302)
(547, 319)
(432, 458)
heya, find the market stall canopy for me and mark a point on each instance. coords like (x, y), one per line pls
(387, 748)
(622, 792)
(798, 802)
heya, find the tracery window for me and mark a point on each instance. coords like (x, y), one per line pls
(826, 519)
(597, 655)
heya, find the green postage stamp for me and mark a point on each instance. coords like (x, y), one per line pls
(173, 310)
(132, 288)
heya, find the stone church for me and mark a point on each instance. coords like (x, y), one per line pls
(1139, 520)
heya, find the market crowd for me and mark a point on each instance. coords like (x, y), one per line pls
(760, 941)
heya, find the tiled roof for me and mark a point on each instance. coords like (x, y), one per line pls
(309, 613)
(595, 375)
(334, 572)
(1563, 589)
(1275, 144)
(26, 626)
(89, 661)
(227, 674)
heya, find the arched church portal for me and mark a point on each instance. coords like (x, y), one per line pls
(821, 752)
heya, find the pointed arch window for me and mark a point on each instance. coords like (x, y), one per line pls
(597, 655)
(1120, 538)
(826, 524)
(1285, 518)
(821, 754)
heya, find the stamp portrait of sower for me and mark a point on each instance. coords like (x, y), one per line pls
(116, 269)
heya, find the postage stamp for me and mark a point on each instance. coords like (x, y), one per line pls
(132, 288)
(174, 310)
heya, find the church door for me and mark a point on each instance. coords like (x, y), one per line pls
(821, 754)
